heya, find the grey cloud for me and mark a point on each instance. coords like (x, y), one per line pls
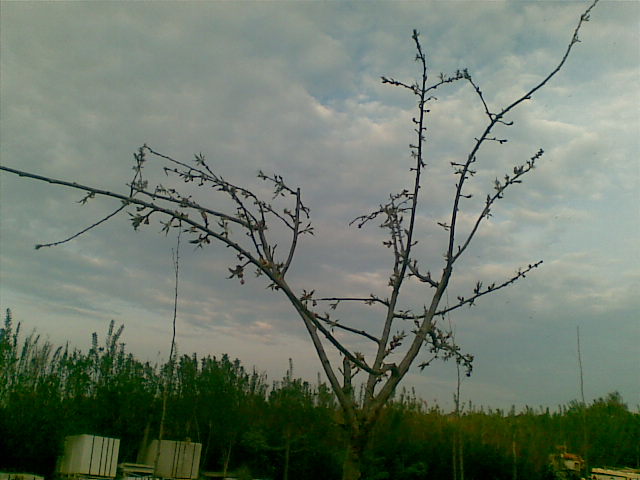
(295, 89)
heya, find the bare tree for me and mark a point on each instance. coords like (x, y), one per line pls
(249, 228)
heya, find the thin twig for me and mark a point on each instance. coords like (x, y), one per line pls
(53, 244)
(175, 255)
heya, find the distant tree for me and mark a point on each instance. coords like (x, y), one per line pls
(618, 444)
(8, 354)
(212, 403)
(300, 429)
(54, 392)
(251, 227)
(30, 400)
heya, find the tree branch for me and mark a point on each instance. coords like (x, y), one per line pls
(478, 292)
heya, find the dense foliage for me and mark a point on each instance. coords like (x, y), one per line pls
(286, 429)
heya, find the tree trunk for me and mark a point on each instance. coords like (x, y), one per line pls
(454, 455)
(287, 454)
(461, 456)
(227, 457)
(351, 469)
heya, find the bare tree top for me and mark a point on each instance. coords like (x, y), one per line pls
(58, 111)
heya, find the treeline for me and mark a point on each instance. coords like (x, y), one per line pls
(287, 429)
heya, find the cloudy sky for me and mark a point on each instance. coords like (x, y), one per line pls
(294, 88)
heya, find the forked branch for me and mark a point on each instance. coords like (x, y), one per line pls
(249, 225)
